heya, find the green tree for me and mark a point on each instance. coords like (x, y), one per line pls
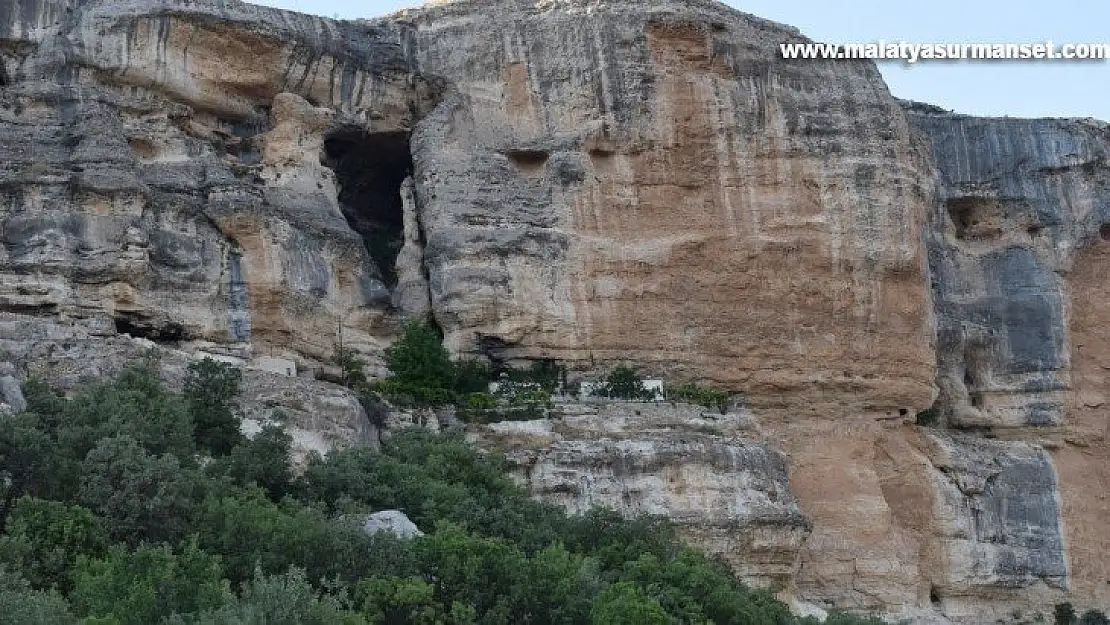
(263, 461)
(626, 603)
(420, 365)
(247, 530)
(134, 405)
(151, 583)
(288, 599)
(561, 586)
(45, 538)
(21, 605)
(488, 574)
(26, 453)
(210, 391)
(352, 367)
(624, 383)
(396, 601)
(145, 497)
(285, 599)
(471, 376)
(1094, 617)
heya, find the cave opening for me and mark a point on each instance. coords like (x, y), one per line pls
(141, 327)
(370, 168)
(1104, 232)
(962, 213)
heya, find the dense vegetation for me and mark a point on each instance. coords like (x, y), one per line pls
(423, 374)
(128, 504)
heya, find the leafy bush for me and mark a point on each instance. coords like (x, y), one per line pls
(21, 605)
(210, 390)
(263, 461)
(151, 583)
(1094, 617)
(144, 497)
(135, 406)
(44, 539)
(407, 395)
(625, 603)
(249, 531)
(545, 374)
(693, 394)
(477, 407)
(513, 402)
(289, 599)
(624, 383)
(420, 365)
(471, 376)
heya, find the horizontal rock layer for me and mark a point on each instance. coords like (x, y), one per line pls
(728, 493)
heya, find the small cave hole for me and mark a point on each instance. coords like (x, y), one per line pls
(903, 412)
(934, 596)
(961, 212)
(5, 79)
(144, 328)
(370, 168)
(1104, 232)
(144, 150)
(244, 150)
(1034, 231)
(530, 161)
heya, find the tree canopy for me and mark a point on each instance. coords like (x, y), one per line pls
(127, 504)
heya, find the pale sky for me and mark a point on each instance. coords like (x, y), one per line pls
(1014, 88)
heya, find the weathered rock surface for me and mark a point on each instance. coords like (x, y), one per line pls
(595, 182)
(162, 168)
(728, 494)
(320, 416)
(393, 521)
(626, 182)
(1020, 252)
(1019, 201)
(11, 395)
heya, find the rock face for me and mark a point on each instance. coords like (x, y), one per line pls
(636, 199)
(393, 521)
(1019, 252)
(595, 183)
(728, 492)
(1020, 202)
(162, 171)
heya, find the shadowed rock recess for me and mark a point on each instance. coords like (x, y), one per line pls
(596, 183)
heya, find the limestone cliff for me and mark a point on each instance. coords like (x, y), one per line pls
(629, 182)
(596, 182)
(1019, 259)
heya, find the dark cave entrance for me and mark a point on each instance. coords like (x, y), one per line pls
(141, 327)
(370, 168)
